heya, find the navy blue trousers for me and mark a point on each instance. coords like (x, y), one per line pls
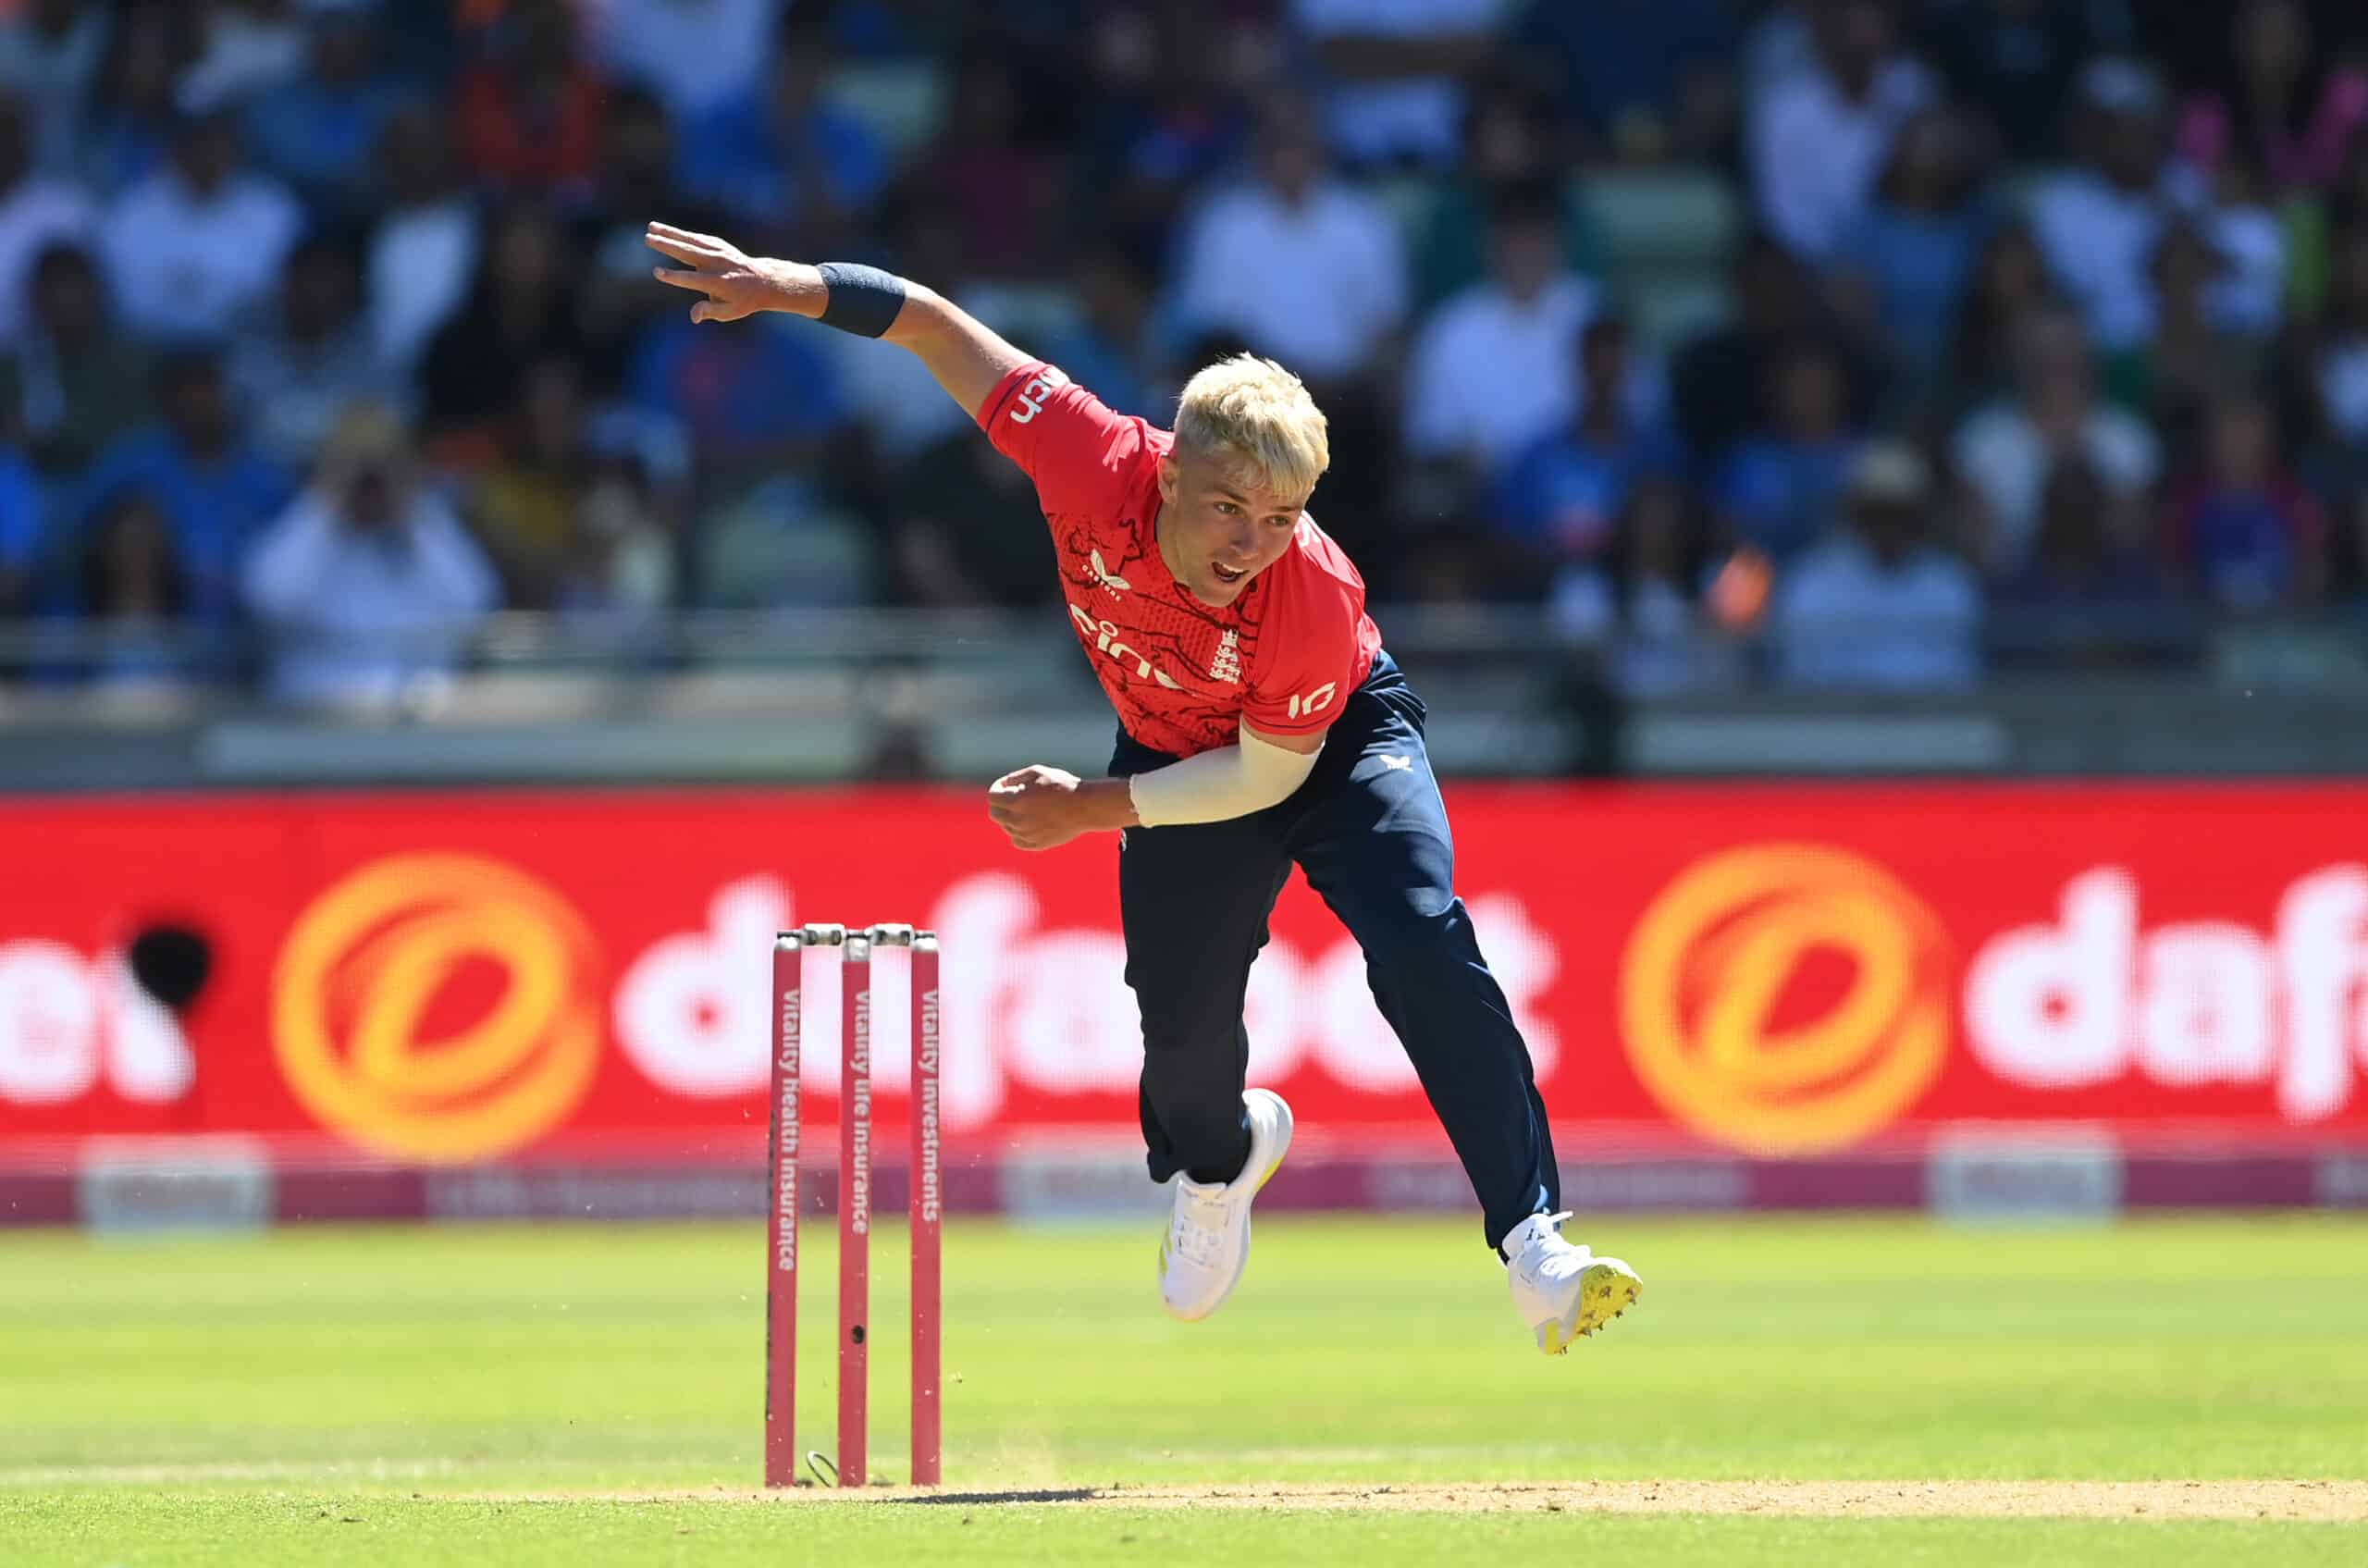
(1370, 832)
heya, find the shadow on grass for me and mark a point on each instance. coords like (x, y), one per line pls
(1058, 1494)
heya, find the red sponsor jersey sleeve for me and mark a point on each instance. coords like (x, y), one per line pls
(1082, 455)
(1318, 644)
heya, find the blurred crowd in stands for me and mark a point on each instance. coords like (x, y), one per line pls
(1836, 344)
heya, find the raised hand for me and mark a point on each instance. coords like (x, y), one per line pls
(735, 284)
(967, 358)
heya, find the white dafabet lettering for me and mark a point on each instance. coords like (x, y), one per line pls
(2091, 994)
(1046, 1008)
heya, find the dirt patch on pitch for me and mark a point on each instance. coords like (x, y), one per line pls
(1873, 1500)
(2333, 1500)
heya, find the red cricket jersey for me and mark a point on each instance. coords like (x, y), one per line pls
(1183, 675)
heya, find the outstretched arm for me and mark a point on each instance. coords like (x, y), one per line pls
(967, 357)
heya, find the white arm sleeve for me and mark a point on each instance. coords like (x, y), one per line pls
(1213, 786)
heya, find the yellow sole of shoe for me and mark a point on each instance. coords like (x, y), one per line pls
(1604, 1293)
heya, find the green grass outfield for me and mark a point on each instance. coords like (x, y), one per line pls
(589, 1396)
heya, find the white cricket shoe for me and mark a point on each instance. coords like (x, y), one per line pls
(1561, 1290)
(1207, 1244)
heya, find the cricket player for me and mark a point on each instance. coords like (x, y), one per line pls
(1260, 725)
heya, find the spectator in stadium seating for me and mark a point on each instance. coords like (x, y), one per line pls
(1910, 255)
(294, 379)
(2346, 199)
(969, 530)
(217, 488)
(1877, 607)
(320, 131)
(781, 153)
(2016, 61)
(2091, 595)
(1508, 144)
(1557, 498)
(1638, 605)
(522, 507)
(2338, 365)
(196, 247)
(2284, 105)
(1778, 41)
(37, 210)
(752, 401)
(2309, 224)
(1397, 74)
(51, 55)
(2191, 41)
(2248, 295)
(1495, 368)
(423, 248)
(786, 543)
(20, 532)
(523, 308)
(2349, 558)
(530, 108)
(430, 47)
(994, 173)
(1304, 267)
(1777, 489)
(138, 109)
(1640, 81)
(132, 590)
(1442, 560)
(899, 405)
(637, 177)
(1108, 347)
(623, 564)
(2097, 223)
(2247, 536)
(696, 55)
(1819, 136)
(367, 586)
(1719, 380)
(1160, 119)
(2189, 357)
(2004, 451)
(75, 381)
(2009, 285)
(245, 48)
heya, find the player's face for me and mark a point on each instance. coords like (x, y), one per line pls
(1217, 530)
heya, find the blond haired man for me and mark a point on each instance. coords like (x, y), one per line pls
(1261, 725)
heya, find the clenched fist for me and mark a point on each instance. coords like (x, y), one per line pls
(1039, 808)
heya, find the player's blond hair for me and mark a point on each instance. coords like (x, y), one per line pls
(1257, 418)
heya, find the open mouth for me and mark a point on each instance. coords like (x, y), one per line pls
(1226, 574)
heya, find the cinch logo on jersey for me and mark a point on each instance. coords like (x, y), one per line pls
(441, 1007)
(1029, 402)
(1104, 635)
(1740, 1022)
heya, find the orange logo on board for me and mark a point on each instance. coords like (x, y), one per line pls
(437, 1006)
(1786, 998)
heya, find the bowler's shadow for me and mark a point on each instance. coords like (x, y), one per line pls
(1060, 1494)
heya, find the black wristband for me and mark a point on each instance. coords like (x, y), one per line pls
(862, 299)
